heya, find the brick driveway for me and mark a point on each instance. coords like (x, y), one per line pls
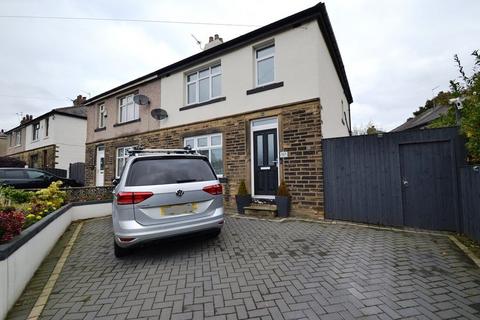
(269, 270)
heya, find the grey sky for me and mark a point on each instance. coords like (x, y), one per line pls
(394, 52)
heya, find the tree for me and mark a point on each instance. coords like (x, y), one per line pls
(369, 129)
(467, 87)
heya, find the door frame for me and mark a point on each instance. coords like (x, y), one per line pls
(97, 169)
(272, 125)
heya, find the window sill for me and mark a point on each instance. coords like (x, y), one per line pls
(265, 88)
(201, 104)
(100, 129)
(124, 123)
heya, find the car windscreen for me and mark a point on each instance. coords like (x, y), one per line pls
(153, 171)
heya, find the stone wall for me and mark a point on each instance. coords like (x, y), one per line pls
(88, 193)
(46, 157)
(299, 134)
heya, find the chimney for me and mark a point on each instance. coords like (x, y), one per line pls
(79, 101)
(213, 41)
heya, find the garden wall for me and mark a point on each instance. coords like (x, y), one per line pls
(20, 258)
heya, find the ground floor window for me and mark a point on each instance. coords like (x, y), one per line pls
(210, 146)
(122, 156)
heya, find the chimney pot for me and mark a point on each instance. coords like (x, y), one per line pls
(210, 39)
(216, 36)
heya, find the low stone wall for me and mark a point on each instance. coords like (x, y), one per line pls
(83, 194)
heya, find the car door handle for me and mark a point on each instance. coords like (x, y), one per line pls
(405, 182)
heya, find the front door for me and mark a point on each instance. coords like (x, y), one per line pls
(265, 159)
(100, 166)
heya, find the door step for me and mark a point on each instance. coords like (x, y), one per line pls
(261, 210)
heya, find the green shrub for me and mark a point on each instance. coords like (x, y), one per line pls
(283, 190)
(242, 189)
(11, 195)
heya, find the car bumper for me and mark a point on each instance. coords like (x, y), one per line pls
(131, 233)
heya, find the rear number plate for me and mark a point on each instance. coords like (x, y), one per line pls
(188, 208)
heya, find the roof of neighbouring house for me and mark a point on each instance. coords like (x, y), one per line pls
(317, 12)
(73, 111)
(422, 119)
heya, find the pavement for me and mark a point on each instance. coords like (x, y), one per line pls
(264, 270)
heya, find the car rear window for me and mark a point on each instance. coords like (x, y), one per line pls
(145, 172)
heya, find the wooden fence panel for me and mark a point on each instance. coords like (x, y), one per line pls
(470, 200)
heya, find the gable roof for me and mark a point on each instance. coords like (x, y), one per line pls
(423, 118)
(74, 112)
(317, 12)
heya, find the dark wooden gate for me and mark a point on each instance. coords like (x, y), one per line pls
(428, 193)
(397, 179)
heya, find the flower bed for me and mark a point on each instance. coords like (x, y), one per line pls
(20, 209)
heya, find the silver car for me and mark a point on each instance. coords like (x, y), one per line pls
(165, 193)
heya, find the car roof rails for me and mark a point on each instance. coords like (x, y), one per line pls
(143, 151)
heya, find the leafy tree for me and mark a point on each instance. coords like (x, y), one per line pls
(467, 87)
(369, 129)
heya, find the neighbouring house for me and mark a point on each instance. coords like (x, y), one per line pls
(423, 119)
(257, 106)
(3, 143)
(53, 140)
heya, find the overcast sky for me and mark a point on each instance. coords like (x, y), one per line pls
(395, 52)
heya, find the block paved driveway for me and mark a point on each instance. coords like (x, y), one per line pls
(269, 270)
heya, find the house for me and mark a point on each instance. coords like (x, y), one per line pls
(53, 140)
(424, 119)
(3, 143)
(257, 106)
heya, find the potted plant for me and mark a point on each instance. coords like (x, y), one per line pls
(282, 199)
(243, 198)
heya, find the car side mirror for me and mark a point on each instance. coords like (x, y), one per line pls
(115, 182)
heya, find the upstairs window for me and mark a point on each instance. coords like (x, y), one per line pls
(47, 126)
(265, 65)
(36, 131)
(101, 116)
(18, 138)
(127, 109)
(204, 85)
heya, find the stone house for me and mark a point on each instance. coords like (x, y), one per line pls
(50, 141)
(257, 106)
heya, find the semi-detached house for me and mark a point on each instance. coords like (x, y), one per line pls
(53, 140)
(257, 106)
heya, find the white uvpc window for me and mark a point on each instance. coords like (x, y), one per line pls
(18, 138)
(101, 116)
(127, 109)
(209, 146)
(122, 156)
(265, 65)
(204, 85)
(36, 131)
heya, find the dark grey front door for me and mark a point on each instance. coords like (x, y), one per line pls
(428, 193)
(265, 162)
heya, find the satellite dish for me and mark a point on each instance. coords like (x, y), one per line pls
(159, 114)
(141, 99)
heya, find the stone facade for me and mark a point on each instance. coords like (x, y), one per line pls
(41, 158)
(299, 130)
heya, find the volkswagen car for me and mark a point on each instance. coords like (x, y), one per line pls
(165, 193)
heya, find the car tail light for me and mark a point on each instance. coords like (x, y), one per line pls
(215, 189)
(132, 197)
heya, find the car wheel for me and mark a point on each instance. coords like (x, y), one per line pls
(119, 251)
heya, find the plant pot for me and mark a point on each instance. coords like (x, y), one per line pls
(283, 206)
(242, 202)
